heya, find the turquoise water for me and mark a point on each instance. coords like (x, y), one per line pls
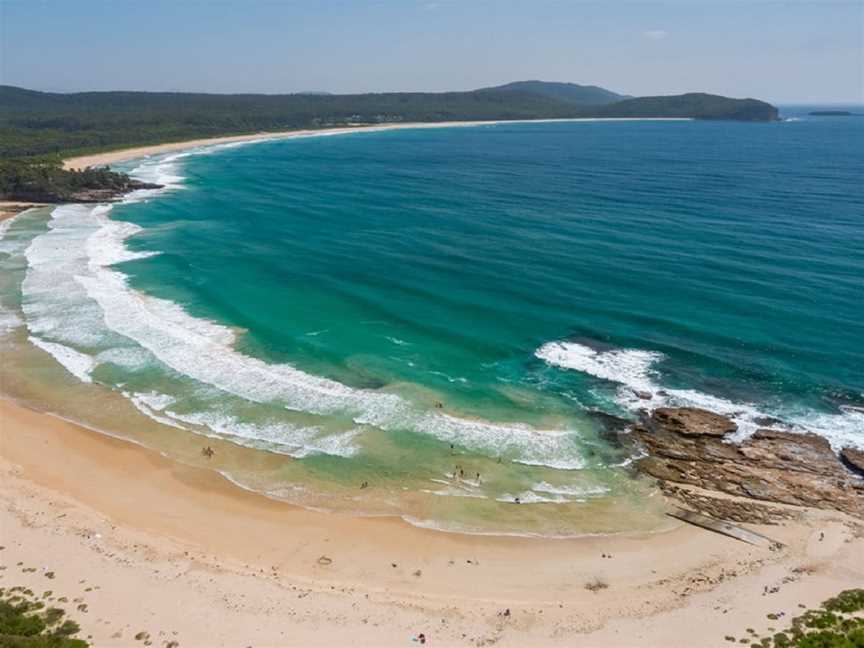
(383, 307)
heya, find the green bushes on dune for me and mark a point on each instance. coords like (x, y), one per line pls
(27, 623)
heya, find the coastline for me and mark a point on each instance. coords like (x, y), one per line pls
(123, 155)
(11, 208)
(212, 564)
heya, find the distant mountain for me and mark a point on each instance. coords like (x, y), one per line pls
(583, 95)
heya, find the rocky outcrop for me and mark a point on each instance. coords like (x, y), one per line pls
(854, 460)
(725, 507)
(689, 446)
(83, 195)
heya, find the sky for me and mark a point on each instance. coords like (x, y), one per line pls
(784, 52)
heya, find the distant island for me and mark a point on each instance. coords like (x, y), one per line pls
(37, 129)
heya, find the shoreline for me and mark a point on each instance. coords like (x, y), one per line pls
(123, 155)
(212, 563)
(11, 208)
(124, 518)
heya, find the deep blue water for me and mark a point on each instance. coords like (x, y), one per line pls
(735, 250)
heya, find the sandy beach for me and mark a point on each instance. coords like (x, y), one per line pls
(94, 519)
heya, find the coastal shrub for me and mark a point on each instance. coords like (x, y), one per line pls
(837, 623)
(44, 179)
(26, 624)
(847, 602)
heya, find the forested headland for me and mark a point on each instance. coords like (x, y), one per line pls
(38, 128)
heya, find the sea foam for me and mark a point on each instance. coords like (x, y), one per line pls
(78, 364)
(640, 388)
(81, 309)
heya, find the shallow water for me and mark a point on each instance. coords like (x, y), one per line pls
(383, 307)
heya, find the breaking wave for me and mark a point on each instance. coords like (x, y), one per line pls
(640, 387)
(81, 309)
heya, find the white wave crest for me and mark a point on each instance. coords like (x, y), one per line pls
(530, 497)
(574, 491)
(203, 350)
(74, 296)
(631, 367)
(278, 437)
(78, 364)
(641, 389)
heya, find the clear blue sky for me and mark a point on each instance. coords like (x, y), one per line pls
(780, 51)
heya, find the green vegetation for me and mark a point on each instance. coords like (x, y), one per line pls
(38, 123)
(569, 92)
(29, 624)
(694, 104)
(837, 623)
(43, 179)
(36, 128)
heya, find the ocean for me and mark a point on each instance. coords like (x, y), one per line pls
(440, 324)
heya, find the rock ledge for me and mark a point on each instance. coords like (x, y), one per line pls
(688, 446)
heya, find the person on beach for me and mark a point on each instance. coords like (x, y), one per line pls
(208, 452)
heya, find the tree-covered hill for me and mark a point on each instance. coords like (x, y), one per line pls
(38, 123)
(37, 129)
(33, 123)
(694, 104)
(583, 95)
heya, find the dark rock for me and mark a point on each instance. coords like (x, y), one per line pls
(687, 446)
(769, 421)
(613, 429)
(854, 459)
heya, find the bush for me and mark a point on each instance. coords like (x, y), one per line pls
(25, 624)
(837, 623)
